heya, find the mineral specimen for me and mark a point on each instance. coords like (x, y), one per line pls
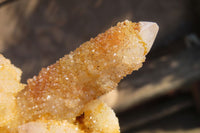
(61, 90)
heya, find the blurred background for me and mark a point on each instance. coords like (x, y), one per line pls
(162, 97)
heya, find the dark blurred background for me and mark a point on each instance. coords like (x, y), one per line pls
(162, 97)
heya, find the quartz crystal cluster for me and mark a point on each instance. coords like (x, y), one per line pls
(61, 90)
(9, 86)
(63, 97)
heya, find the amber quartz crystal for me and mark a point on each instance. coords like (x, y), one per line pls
(61, 90)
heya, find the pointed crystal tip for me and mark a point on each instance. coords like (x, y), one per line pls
(148, 32)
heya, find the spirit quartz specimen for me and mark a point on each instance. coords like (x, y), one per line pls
(61, 90)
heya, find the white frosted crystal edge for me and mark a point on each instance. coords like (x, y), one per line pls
(148, 32)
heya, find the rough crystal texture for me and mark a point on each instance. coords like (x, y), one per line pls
(61, 90)
(9, 86)
(10, 77)
(49, 126)
(98, 118)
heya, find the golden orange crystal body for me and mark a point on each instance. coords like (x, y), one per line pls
(61, 90)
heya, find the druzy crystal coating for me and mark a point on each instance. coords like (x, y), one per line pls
(64, 96)
(61, 90)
